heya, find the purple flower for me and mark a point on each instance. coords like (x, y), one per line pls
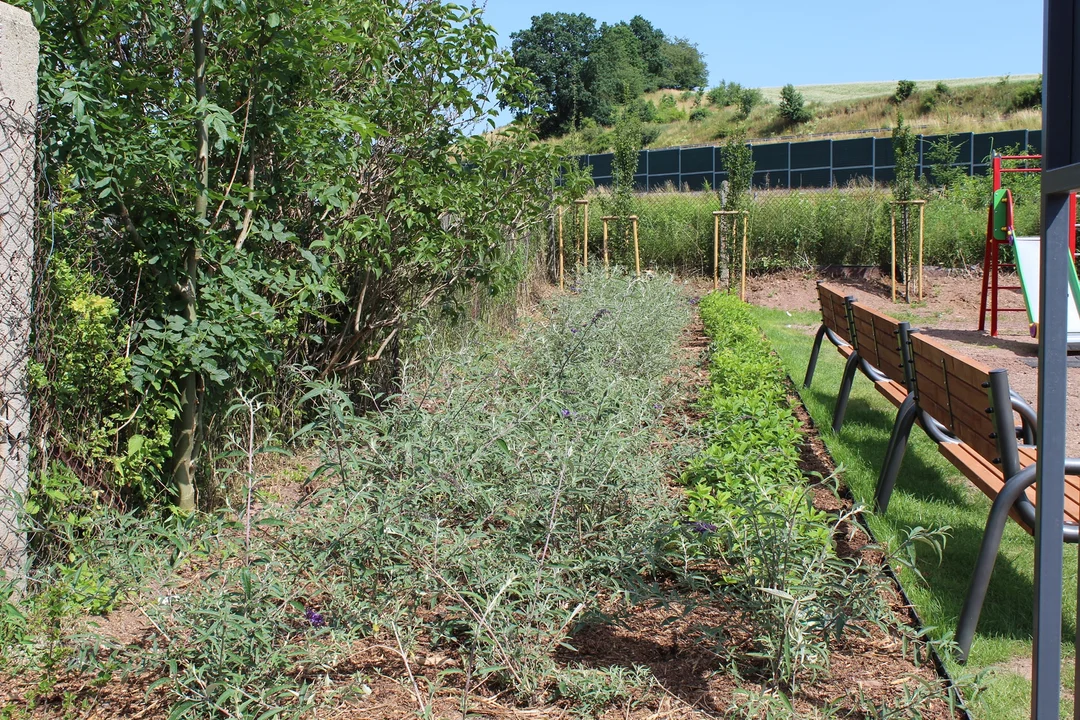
(573, 329)
(657, 406)
(565, 413)
(703, 528)
(694, 300)
(315, 618)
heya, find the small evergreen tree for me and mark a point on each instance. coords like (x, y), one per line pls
(792, 106)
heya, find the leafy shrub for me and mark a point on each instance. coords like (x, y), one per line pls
(644, 109)
(669, 111)
(718, 96)
(649, 133)
(904, 90)
(749, 98)
(700, 115)
(1028, 95)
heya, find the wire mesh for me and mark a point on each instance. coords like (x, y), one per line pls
(677, 231)
(17, 229)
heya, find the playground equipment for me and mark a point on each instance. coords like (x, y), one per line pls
(637, 252)
(718, 239)
(907, 249)
(1000, 233)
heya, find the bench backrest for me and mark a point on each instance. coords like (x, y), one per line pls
(954, 390)
(834, 311)
(877, 337)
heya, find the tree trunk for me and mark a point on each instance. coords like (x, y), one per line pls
(183, 440)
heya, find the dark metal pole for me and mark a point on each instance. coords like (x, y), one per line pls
(1059, 151)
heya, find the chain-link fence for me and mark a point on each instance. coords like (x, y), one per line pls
(17, 226)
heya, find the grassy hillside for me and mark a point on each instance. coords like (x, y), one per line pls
(846, 92)
(936, 106)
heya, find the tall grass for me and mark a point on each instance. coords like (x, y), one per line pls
(796, 228)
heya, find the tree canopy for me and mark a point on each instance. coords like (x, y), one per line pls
(583, 72)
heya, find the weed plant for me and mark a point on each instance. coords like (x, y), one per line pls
(479, 512)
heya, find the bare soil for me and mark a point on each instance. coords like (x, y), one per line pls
(949, 311)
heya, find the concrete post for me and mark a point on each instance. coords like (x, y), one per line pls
(18, 108)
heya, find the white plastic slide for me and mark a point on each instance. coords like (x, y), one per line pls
(1028, 250)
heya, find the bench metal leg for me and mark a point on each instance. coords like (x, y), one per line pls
(813, 356)
(850, 369)
(984, 565)
(894, 453)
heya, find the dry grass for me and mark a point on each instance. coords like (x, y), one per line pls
(850, 109)
(846, 92)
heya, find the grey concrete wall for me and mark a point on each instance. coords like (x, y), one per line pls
(18, 108)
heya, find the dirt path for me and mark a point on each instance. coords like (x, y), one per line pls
(950, 311)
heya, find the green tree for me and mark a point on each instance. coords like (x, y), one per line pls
(738, 160)
(617, 66)
(556, 49)
(684, 65)
(286, 183)
(624, 165)
(749, 98)
(652, 43)
(907, 159)
(792, 106)
(904, 90)
(942, 155)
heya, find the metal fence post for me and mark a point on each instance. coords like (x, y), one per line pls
(1061, 174)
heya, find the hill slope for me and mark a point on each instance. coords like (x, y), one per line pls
(847, 109)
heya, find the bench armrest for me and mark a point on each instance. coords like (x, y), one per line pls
(834, 338)
(1029, 421)
(1012, 497)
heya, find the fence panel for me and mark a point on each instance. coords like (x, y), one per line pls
(812, 163)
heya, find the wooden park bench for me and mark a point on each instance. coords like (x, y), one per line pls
(872, 342)
(970, 412)
(835, 326)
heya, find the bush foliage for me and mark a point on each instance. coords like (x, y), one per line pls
(343, 196)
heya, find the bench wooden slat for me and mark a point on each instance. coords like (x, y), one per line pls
(892, 391)
(878, 341)
(1072, 482)
(833, 311)
(952, 391)
(987, 477)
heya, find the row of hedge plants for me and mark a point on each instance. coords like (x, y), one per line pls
(752, 509)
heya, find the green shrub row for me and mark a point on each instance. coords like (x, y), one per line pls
(753, 435)
(751, 509)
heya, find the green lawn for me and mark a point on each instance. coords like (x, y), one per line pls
(931, 493)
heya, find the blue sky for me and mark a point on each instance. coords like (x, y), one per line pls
(765, 44)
